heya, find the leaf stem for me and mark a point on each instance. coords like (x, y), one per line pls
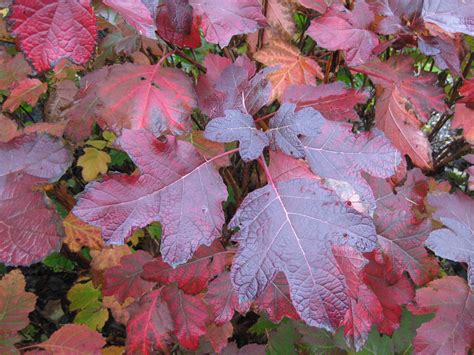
(264, 166)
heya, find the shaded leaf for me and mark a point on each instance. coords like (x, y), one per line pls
(26, 90)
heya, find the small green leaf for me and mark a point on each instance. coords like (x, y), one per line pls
(59, 263)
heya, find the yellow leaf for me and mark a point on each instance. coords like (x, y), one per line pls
(97, 143)
(80, 234)
(93, 163)
(113, 350)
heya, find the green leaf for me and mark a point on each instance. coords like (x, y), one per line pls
(85, 299)
(262, 326)
(282, 340)
(154, 229)
(59, 263)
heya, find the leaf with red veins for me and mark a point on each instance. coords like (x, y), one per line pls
(463, 115)
(26, 90)
(223, 299)
(121, 203)
(452, 16)
(334, 101)
(289, 227)
(455, 240)
(13, 70)
(287, 126)
(341, 29)
(125, 280)
(232, 86)
(234, 126)
(391, 293)
(33, 231)
(74, 339)
(339, 154)
(190, 316)
(451, 331)
(137, 96)
(176, 24)
(364, 307)
(140, 14)
(193, 276)
(50, 30)
(405, 103)
(150, 325)
(222, 19)
(276, 300)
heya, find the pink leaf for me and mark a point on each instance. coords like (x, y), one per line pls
(122, 203)
(452, 16)
(50, 30)
(289, 227)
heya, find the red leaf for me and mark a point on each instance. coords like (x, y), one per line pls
(218, 336)
(138, 13)
(276, 301)
(334, 101)
(289, 227)
(405, 103)
(140, 96)
(391, 293)
(339, 154)
(234, 126)
(125, 280)
(287, 126)
(122, 203)
(13, 70)
(149, 325)
(190, 316)
(467, 91)
(31, 233)
(222, 19)
(284, 168)
(394, 13)
(401, 233)
(193, 276)
(347, 30)
(50, 30)
(26, 90)
(176, 24)
(463, 119)
(455, 241)
(15, 303)
(74, 339)
(223, 300)
(452, 16)
(451, 331)
(232, 86)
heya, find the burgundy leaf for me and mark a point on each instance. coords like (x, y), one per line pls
(451, 331)
(234, 126)
(149, 325)
(404, 105)
(395, 14)
(125, 280)
(223, 299)
(455, 240)
(193, 276)
(467, 91)
(289, 227)
(334, 101)
(276, 301)
(139, 96)
(452, 16)
(122, 203)
(74, 339)
(222, 19)
(341, 29)
(218, 335)
(445, 50)
(339, 154)
(12, 70)
(138, 13)
(364, 308)
(176, 24)
(287, 126)
(49, 30)
(463, 119)
(32, 232)
(190, 316)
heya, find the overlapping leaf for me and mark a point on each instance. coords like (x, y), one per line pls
(31, 233)
(50, 30)
(452, 16)
(289, 227)
(122, 203)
